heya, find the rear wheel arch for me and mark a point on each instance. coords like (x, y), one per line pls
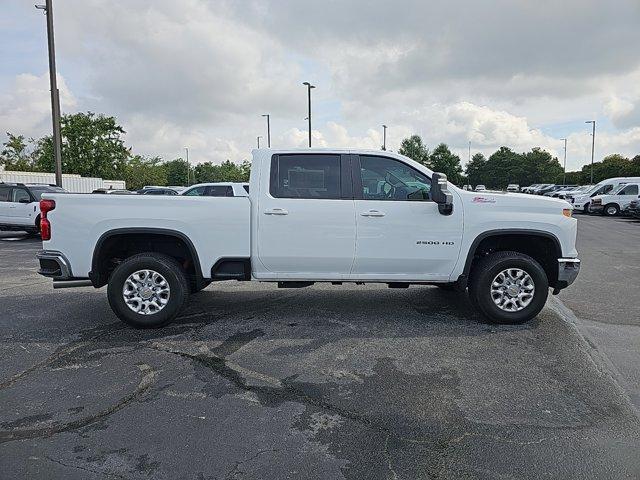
(126, 242)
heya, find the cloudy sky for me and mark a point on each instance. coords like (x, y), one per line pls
(199, 73)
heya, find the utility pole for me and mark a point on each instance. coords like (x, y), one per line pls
(259, 137)
(55, 94)
(384, 137)
(469, 150)
(186, 149)
(564, 176)
(593, 145)
(309, 87)
(268, 130)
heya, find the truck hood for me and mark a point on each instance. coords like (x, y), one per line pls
(515, 201)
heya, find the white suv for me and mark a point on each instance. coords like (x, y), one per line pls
(20, 207)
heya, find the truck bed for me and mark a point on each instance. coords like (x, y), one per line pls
(216, 226)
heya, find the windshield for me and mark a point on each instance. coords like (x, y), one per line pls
(38, 191)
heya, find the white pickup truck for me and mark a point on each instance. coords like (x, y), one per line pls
(314, 216)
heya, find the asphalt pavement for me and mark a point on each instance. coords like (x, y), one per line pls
(606, 296)
(332, 382)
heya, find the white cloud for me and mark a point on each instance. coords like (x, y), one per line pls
(26, 106)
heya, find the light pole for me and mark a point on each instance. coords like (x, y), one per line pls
(258, 138)
(593, 145)
(469, 150)
(268, 130)
(55, 94)
(384, 137)
(564, 175)
(309, 87)
(186, 149)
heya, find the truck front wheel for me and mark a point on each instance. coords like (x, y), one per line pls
(147, 290)
(508, 287)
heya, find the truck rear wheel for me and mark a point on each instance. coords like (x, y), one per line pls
(508, 287)
(147, 290)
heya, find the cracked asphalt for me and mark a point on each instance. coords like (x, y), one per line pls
(325, 382)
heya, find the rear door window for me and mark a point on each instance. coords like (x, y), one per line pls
(4, 194)
(305, 176)
(630, 190)
(18, 194)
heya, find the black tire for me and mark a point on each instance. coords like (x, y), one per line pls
(486, 269)
(585, 209)
(611, 210)
(166, 266)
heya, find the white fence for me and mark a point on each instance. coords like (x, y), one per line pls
(70, 182)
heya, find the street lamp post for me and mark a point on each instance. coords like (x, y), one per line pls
(186, 149)
(268, 130)
(384, 137)
(593, 144)
(258, 138)
(55, 94)
(469, 150)
(309, 87)
(564, 175)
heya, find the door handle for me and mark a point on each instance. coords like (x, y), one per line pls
(276, 211)
(372, 213)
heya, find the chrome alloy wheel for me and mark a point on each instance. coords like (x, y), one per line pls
(512, 290)
(146, 292)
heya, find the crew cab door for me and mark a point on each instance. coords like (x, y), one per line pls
(401, 235)
(305, 218)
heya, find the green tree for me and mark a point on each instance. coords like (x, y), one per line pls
(414, 148)
(17, 154)
(444, 161)
(475, 170)
(227, 171)
(92, 146)
(177, 172)
(140, 171)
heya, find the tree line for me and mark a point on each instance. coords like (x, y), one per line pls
(506, 166)
(93, 146)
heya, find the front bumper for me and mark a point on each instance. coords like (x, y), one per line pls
(568, 269)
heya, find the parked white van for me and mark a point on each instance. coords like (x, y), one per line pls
(582, 200)
(616, 201)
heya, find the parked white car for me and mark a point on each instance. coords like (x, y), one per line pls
(480, 188)
(616, 201)
(513, 187)
(315, 215)
(582, 200)
(217, 189)
(20, 207)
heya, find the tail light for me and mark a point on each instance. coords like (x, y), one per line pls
(45, 226)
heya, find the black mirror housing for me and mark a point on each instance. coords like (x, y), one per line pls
(440, 194)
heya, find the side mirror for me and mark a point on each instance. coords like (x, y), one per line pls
(440, 194)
